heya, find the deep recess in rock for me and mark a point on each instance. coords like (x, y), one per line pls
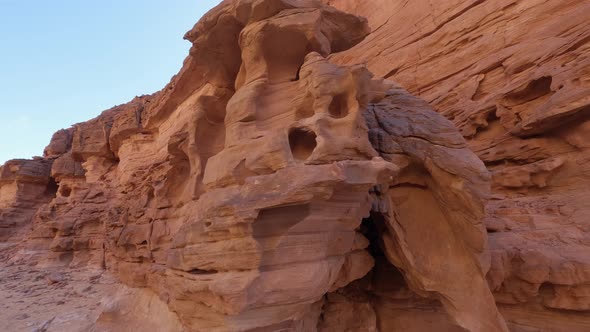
(339, 106)
(52, 188)
(302, 142)
(372, 228)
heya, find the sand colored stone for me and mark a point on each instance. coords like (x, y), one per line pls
(286, 180)
(514, 78)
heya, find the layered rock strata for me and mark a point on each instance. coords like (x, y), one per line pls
(24, 185)
(274, 184)
(514, 77)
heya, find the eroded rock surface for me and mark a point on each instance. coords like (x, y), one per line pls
(24, 185)
(277, 185)
(514, 77)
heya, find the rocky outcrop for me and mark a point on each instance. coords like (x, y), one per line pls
(24, 185)
(277, 185)
(513, 76)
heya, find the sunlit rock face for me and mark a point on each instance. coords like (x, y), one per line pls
(514, 78)
(24, 185)
(276, 184)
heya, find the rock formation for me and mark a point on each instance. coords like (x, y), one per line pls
(24, 185)
(276, 184)
(514, 78)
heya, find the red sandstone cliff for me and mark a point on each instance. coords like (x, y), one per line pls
(275, 184)
(514, 77)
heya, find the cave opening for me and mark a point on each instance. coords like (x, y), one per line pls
(52, 187)
(302, 142)
(339, 106)
(385, 276)
(372, 228)
(376, 298)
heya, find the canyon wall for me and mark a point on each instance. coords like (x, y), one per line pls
(302, 173)
(514, 78)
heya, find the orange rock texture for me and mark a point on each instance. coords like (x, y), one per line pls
(514, 78)
(308, 169)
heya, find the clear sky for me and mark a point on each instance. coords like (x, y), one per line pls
(65, 61)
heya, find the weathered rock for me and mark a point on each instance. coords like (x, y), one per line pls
(514, 77)
(54, 278)
(24, 185)
(275, 184)
(237, 193)
(61, 142)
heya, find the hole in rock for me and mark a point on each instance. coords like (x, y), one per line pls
(339, 106)
(65, 190)
(385, 277)
(372, 228)
(547, 290)
(385, 287)
(535, 89)
(492, 116)
(52, 187)
(202, 272)
(302, 142)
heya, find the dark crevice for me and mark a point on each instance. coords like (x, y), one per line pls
(52, 187)
(103, 263)
(302, 142)
(202, 272)
(385, 276)
(297, 75)
(535, 89)
(410, 185)
(338, 106)
(577, 45)
(391, 73)
(65, 191)
(508, 162)
(372, 228)
(491, 118)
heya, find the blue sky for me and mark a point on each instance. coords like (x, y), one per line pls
(65, 61)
